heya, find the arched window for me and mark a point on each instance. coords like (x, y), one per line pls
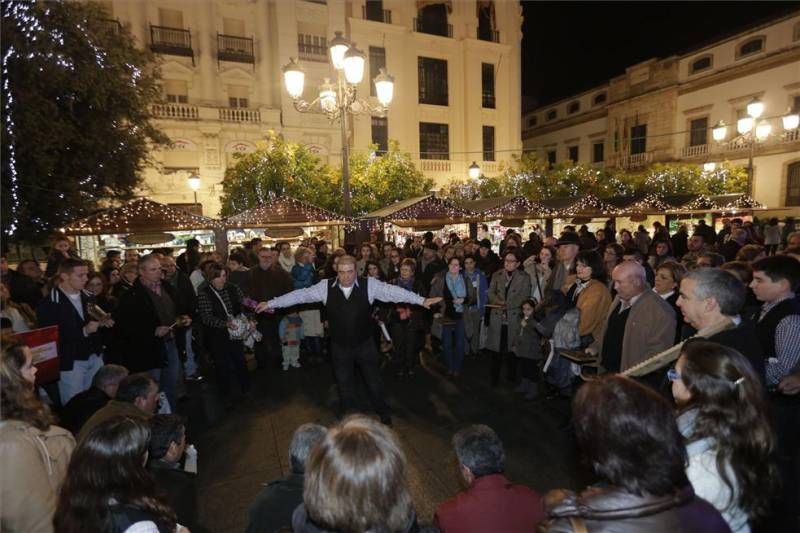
(701, 63)
(750, 47)
(573, 107)
(599, 98)
(793, 184)
(551, 115)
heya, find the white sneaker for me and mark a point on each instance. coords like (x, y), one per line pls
(296, 364)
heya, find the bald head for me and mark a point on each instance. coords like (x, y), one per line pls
(630, 280)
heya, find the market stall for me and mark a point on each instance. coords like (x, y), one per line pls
(140, 224)
(510, 212)
(418, 215)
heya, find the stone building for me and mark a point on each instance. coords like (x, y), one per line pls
(456, 66)
(664, 110)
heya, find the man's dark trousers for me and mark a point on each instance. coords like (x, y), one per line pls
(365, 355)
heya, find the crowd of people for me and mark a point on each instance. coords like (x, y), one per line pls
(101, 448)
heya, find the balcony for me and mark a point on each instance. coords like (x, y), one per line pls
(443, 30)
(171, 41)
(112, 26)
(492, 36)
(434, 165)
(235, 49)
(376, 15)
(175, 111)
(694, 151)
(312, 50)
(239, 114)
(632, 160)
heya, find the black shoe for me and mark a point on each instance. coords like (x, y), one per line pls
(386, 420)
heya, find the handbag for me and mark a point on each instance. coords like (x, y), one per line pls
(241, 324)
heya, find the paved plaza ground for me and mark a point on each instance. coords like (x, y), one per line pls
(244, 447)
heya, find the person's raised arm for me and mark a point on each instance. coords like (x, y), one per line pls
(385, 292)
(314, 294)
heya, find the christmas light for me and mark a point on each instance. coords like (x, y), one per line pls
(424, 208)
(279, 210)
(139, 215)
(589, 204)
(519, 206)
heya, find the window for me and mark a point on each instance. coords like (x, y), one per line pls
(487, 22)
(551, 157)
(572, 153)
(487, 85)
(176, 91)
(599, 99)
(488, 143)
(698, 132)
(793, 184)
(531, 122)
(700, 64)
(377, 61)
(434, 141)
(432, 19)
(373, 10)
(573, 108)
(753, 46)
(233, 27)
(312, 47)
(432, 81)
(598, 149)
(551, 115)
(380, 133)
(238, 96)
(639, 139)
(796, 103)
(170, 18)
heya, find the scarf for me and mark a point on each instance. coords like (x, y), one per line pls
(457, 287)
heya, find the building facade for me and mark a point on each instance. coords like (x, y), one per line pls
(663, 110)
(456, 66)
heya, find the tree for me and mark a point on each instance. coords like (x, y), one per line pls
(378, 181)
(77, 130)
(277, 168)
(693, 179)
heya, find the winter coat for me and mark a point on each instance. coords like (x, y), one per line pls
(34, 465)
(57, 310)
(528, 345)
(519, 290)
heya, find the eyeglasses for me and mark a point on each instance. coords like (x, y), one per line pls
(673, 374)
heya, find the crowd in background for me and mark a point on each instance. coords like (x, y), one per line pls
(724, 420)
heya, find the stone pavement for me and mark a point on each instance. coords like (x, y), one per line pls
(248, 445)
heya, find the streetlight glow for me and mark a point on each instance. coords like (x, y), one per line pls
(709, 166)
(720, 131)
(763, 130)
(384, 87)
(294, 78)
(745, 125)
(338, 47)
(194, 182)
(474, 171)
(354, 65)
(791, 120)
(755, 108)
(327, 96)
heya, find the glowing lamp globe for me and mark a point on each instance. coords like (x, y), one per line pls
(384, 87)
(719, 132)
(755, 108)
(763, 130)
(791, 120)
(338, 48)
(354, 65)
(474, 171)
(294, 78)
(327, 96)
(194, 182)
(744, 125)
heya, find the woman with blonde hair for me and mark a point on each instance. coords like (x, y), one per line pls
(34, 452)
(355, 482)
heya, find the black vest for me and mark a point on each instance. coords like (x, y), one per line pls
(349, 319)
(612, 341)
(765, 328)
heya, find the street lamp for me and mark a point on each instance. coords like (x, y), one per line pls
(474, 171)
(338, 100)
(194, 184)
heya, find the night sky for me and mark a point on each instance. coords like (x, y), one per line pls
(568, 47)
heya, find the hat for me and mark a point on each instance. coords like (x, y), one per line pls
(569, 238)
(485, 243)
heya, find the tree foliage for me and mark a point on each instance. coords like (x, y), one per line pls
(278, 168)
(532, 178)
(76, 98)
(377, 181)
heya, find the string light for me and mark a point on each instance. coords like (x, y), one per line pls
(283, 210)
(138, 215)
(423, 208)
(587, 204)
(518, 206)
(651, 202)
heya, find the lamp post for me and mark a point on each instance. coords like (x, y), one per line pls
(751, 131)
(194, 184)
(338, 100)
(474, 171)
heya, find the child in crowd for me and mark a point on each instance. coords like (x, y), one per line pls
(291, 333)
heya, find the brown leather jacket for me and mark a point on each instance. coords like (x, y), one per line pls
(600, 510)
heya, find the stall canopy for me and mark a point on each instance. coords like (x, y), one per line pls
(140, 216)
(283, 212)
(423, 211)
(508, 207)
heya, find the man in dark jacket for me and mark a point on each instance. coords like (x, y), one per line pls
(491, 502)
(267, 281)
(79, 352)
(274, 505)
(167, 446)
(429, 266)
(144, 332)
(487, 260)
(83, 405)
(185, 299)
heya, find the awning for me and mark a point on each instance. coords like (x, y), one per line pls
(423, 210)
(284, 211)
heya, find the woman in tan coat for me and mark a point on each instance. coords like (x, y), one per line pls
(34, 453)
(590, 295)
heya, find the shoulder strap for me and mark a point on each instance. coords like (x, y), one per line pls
(225, 307)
